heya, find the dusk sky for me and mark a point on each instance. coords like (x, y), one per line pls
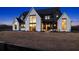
(8, 14)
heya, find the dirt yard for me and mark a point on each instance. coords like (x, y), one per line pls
(42, 40)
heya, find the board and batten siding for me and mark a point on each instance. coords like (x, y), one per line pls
(17, 25)
(38, 20)
(59, 23)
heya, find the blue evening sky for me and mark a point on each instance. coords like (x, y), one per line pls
(8, 14)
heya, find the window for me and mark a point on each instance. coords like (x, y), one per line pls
(32, 19)
(64, 23)
(32, 25)
(15, 26)
(22, 26)
(47, 17)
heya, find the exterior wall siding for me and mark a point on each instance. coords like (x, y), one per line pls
(17, 25)
(27, 24)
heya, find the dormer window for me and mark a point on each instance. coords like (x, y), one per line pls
(22, 26)
(47, 17)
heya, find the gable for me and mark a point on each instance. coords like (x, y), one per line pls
(15, 21)
(33, 12)
(64, 15)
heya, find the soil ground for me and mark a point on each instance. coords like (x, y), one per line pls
(44, 41)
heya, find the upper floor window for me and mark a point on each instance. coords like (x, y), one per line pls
(64, 23)
(47, 17)
(32, 19)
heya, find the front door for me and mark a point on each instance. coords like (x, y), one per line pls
(32, 25)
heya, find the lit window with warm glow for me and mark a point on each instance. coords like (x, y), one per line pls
(32, 23)
(32, 19)
(64, 23)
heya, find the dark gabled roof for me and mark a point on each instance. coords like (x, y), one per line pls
(21, 18)
(41, 12)
(23, 15)
(20, 21)
(47, 11)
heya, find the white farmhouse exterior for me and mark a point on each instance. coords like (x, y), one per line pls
(45, 20)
